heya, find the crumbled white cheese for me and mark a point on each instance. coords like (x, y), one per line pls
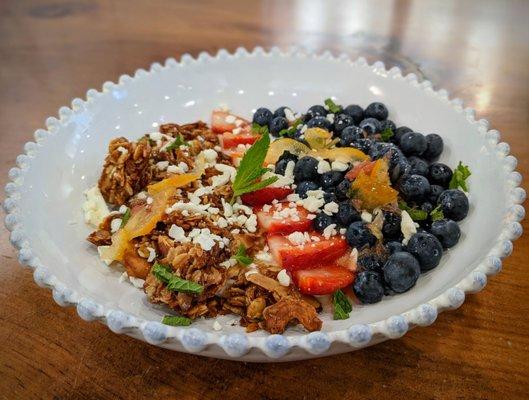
(115, 224)
(342, 231)
(264, 256)
(188, 208)
(123, 150)
(162, 165)
(251, 223)
(217, 326)
(289, 115)
(241, 207)
(330, 118)
(304, 128)
(136, 282)
(297, 238)
(323, 166)
(178, 234)
(330, 208)
(140, 195)
(228, 209)
(149, 200)
(152, 254)
(339, 166)
(228, 174)
(155, 136)
(407, 227)
(251, 269)
(366, 217)
(329, 231)
(283, 278)
(95, 209)
(314, 200)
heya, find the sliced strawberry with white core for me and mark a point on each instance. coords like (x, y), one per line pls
(307, 255)
(222, 121)
(230, 140)
(280, 218)
(322, 280)
(265, 196)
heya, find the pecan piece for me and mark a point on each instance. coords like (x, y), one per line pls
(135, 265)
(100, 238)
(279, 315)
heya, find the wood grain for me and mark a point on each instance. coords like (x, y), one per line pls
(53, 50)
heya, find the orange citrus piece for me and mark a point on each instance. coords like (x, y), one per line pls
(277, 147)
(318, 138)
(343, 154)
(374, 187)
(174, 181)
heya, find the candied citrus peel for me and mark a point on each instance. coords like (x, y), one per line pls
(318, 138)
(374, 187)
(143, 221)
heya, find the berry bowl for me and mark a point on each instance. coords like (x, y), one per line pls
(45, 194)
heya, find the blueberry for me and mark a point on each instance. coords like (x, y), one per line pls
(376, 110)
(370, 262)
(262, 116)
(434, 146)
(319, 122)
(427, 206)
(368, 287)
(418, 166)
(281, 166)
(363, 145)
(454, 204)
(440, 174)
(399, 168)
(304, 187)
(426, 248)
(356, 112)
(358, 235)
(278, 124)
(306, 169)
(331, 179)
(322, 221)
(315, 111)
(342, 121)
(378, 149)
(330, 196)
(370, 126)
(287, 155)
(435, 191)
(394, 246)
(413, 143)
(399, 132)
(401, 271)
(391, 226)
(350, 134)
(447, 231)
(280, 112)
(342, 190)
(387, 124)
(414, 187)
(346, 214)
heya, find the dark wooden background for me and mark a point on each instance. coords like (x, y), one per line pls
(54, 50)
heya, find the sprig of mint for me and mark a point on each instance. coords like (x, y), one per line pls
(260, 129)
(387, 134)
(290, 131)
(242, 256)
(341, 304)
(415, 213)
(459, 178)
(333, 107)
(175, 283)
(175, 320)
(251, 169)
(125, 218)
(179, 140)
(437, 214)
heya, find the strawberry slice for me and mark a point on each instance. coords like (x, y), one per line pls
(265, 195)
(322, 280)
(299, 222)
(222, 121)
(309, 255)
(230, 140)
(366, 166)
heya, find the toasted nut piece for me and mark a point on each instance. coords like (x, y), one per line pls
(135, 265)
(279, 315)
(256, 307)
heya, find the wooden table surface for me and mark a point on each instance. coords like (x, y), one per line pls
(54, 50)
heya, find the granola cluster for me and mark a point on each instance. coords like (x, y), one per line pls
(198, 234)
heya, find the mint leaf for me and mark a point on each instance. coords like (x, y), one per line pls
(175, 283)
(437, 214)
(415, 213)
(125, 218)
(251, 168)
(459, 178)
(179, 140)
(387, 134)
(341, 304)
(333, 107)
(175, 320)
(242, 257)
(260, 129)
(292, 129)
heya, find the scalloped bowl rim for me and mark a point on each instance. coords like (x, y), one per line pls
(270, 347)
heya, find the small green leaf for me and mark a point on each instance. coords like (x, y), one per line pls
(415, 213)
(175, 320)
(387, 134)
(242, 257)
(175, 283)
(437, 214)
(260, 129)
(125, 218)
(179, 140)
(333, 107)
(459, 178)
(289, 132)
(341, 304)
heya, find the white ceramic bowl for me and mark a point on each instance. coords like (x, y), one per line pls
(45, 194)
